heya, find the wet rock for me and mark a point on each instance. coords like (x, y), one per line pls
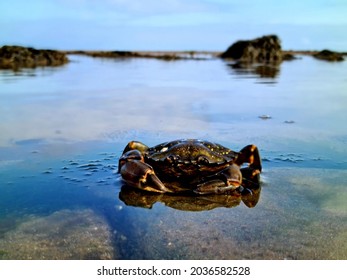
(16, 57)
(329, 55)
(263, 49)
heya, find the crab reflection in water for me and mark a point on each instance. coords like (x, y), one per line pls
(189, 201)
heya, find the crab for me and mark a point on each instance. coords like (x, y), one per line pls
(193, 165)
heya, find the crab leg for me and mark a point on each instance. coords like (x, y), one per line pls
(135, 145)
(251, 178)
(249, 154)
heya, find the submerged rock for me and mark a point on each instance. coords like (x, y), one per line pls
(263, 49)
(16, 57)
(62, 235)
(329, 55)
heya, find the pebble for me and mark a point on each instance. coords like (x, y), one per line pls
(264, 117)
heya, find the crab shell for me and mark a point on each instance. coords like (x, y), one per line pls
(189, 158)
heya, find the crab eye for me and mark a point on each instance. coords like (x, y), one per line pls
(203, 160)
(172, 158)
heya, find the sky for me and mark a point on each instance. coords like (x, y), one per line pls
(210, 25)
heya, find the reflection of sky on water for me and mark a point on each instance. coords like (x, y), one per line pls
(92, 99)
(62, 131)
(118, 100)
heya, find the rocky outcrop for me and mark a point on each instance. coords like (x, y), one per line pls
(329, 55)
(264, 49)
(16, 57)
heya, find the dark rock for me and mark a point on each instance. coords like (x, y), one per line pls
(288, 56)
(329, 55)
(16, 57)
(263, 49)
(163, 55)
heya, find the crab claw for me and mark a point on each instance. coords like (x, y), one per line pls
(132, 155)
(228, 179)
(140, 175)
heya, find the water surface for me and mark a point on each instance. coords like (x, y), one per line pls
(63, 130)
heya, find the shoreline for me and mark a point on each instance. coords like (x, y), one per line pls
(172, 55)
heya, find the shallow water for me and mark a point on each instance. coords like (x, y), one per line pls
(63, 130)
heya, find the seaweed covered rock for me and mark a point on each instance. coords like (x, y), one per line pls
(329, 55)
(263, 49)
(16, 57)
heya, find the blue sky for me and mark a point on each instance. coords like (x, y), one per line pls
(171, 24)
